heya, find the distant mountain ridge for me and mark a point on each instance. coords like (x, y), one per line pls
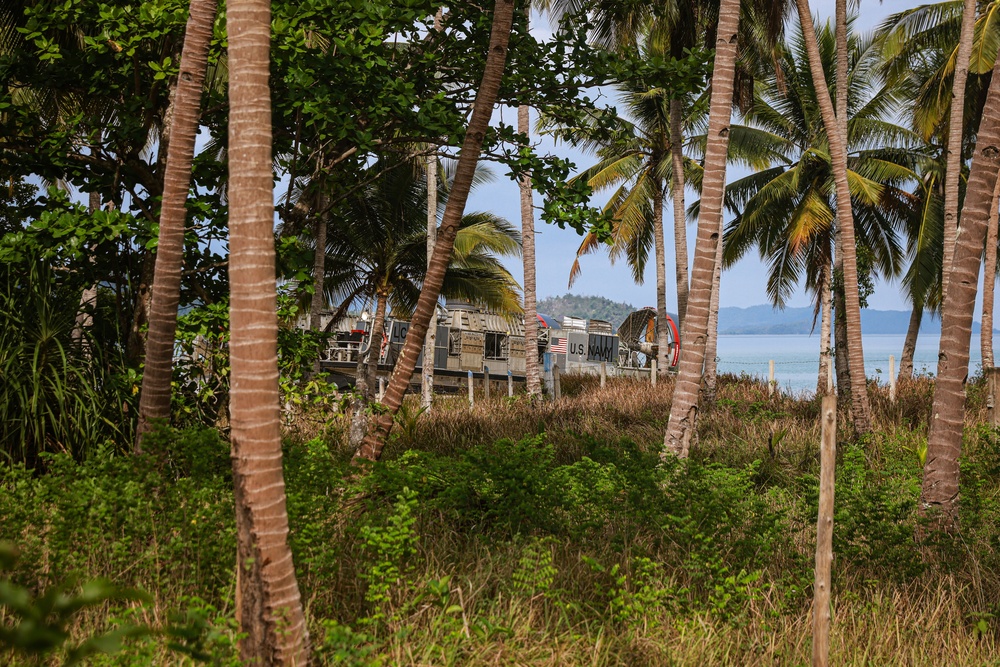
(752, 320)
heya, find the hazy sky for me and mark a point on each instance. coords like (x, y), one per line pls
(743, 285)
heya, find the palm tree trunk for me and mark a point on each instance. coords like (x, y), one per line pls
(680, 219)
(842, 356)
(534, 382)
(375, 348)
(661, 276)
(712, 342)
(681, 427)
(953, 165)
(270, 608)
(910, 343)
(154, 401)
(860, 409)
(944, 440)
(989, 284)
(88, 299)
(825, 353)
(468, 157)
(427, 372)
(319, 277)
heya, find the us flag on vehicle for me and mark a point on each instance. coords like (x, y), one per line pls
(559, 346)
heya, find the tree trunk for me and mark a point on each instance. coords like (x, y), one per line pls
(154, 400)
(531, 374)
(860, 409)
(270, 608)
(427, 372)
(681, 427)
(468, 157)
(375, 347)
(319, 278)
(953, 146)
(88, 299)
(659, 249)
(825, 353)
(366, 374)
(910, 343)
(680, 218)
(944, 440)
(989, 284)
(712, 342)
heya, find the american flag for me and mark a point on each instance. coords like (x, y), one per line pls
(559, 346)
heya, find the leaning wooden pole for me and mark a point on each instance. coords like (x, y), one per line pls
(824, 533)
(468, 157)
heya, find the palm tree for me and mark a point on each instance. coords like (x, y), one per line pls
(378, 253)
(269, 607)
(940, 489)
(989, 284)
(154, 400)
(468, 157)
(786, 211)
(860, 410)
(684, 405)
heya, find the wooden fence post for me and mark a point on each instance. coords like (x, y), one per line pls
(892, 378)
(472, 399)
(604, 373)
(652, 372)
(510, 383)
(770, 378)
(486, 383)
(556, 382)
(993, 397)
(824, 533)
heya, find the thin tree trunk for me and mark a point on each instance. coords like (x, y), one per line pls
(366, 375)
(427, 372)
(840, 342)
(659, 249)
(712, 342)
(953, 146)
(468, 157)
(825, 353)
(319, 277)
(989, 284)
(944, 440)
(270, 608)
(531, 374)
(154, 400)
(682, 425)
(88, 299)
(860, 409)
(680, 218)
(910, 342)
(375, 348)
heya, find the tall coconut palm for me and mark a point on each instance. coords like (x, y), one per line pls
(860, 409)
(154, 399)
(989, 284)
(940, 489)
(270, 607)
(786, 211)
(684, 404)
(486, 95)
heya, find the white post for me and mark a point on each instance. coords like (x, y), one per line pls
(486, 383)
(770, 377)
(892, 378)
(510, 383)
(472, 400)
(652, 372)
(604, 373)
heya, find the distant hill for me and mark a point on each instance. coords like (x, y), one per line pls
(756, 320)
(589, 307)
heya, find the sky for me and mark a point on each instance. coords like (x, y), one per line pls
(742, 285)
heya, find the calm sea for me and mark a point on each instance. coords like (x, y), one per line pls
(796, 358)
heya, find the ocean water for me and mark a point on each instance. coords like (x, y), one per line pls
(796, 358)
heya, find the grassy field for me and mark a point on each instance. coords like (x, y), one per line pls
(543, 534)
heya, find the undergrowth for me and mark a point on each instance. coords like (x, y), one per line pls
(547, 534)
